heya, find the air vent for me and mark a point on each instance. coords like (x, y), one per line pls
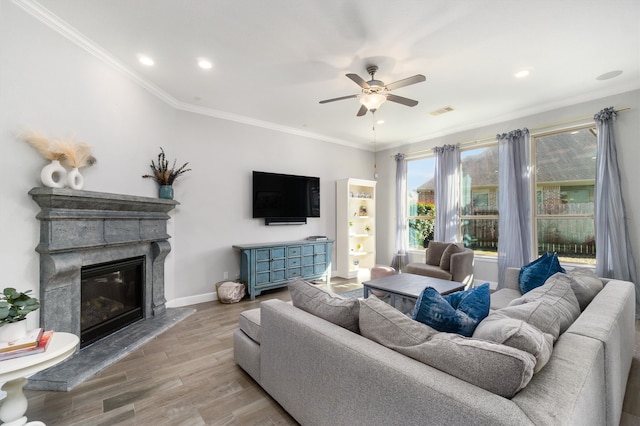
(443, 110)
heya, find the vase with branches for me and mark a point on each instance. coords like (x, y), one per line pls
(63, 153)
(164, 175)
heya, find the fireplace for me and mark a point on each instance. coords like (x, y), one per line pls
(83, 230)
(111, 297)
(99, 241)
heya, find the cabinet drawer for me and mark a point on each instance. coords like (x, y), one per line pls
(262, 278)
(294, 251)
(319, 248)
(307, 271)
(308, 249)
(293, 261)
(278, 252)
(277, 264)
(277, 276)
(307, 260)
(320, 258)
(294, 272)
(266, 278)
(263, 266)
(263, 254)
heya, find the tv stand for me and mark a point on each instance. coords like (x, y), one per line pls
(272, 265)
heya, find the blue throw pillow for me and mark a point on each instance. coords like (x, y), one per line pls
(536, 273)
(458, 312)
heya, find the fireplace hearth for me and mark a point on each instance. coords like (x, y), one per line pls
(84, 231)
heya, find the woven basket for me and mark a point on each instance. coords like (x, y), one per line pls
(230, 292)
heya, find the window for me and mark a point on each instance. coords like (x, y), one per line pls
(479, 203)
(563, 209)
(565, 172)
(421, 211)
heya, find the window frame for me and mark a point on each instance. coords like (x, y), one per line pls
(488, 144)
(535, 216)
(408, 216)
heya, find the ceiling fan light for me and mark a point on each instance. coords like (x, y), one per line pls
(372, 100)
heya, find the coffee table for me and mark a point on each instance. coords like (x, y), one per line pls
(409, 286)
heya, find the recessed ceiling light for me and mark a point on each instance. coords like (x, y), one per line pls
(205, 64)
(609, 75)
(145, 60)
(522, 74)
(380, 122)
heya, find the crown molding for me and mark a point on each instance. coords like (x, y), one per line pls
(42, 14)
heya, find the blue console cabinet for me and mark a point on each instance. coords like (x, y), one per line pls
(273, 265)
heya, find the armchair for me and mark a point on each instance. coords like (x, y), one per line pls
(448, 261)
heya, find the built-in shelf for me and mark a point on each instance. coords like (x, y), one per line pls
(355, 211)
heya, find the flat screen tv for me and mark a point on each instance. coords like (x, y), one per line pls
(281, 198)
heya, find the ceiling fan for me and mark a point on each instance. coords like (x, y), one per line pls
(375, 92)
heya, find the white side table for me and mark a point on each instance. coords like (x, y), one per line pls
(13, 373)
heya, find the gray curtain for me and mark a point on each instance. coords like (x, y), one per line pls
(514, 201)
(447, 193)
(614, 257)
(399, 258)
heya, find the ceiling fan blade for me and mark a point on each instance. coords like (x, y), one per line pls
(358, 80)
(338, 99)
(362, 111)
(401, 100)
(407, 81)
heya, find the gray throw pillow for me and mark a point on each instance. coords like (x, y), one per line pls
(499, 328)
(496, 368)
(326, 305)
(445, 260)
(585, 284)
(434, 252)
(552, 307)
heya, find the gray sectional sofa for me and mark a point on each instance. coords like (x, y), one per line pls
(324, 374)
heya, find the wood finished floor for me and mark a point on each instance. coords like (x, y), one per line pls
(187, 377)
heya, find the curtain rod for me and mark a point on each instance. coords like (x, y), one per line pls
(491, 138)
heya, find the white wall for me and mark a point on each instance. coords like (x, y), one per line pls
(49, 84)
(627, 130)
(215, 211)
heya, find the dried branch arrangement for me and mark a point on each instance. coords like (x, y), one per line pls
(161, 172)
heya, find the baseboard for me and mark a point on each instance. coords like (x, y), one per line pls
(192, 300)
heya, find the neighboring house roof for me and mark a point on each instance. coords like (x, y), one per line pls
(552, 164)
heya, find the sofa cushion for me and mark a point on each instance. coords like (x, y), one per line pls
(552, 308)
(445, 260)
(326, 305)
(501, 298)
(434, 252)
(496, 368)
(500, 328)
(458, 312)
(249, 323)
(536, 273)
(585, 284)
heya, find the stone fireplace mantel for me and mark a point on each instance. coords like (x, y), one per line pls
(81, 228)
